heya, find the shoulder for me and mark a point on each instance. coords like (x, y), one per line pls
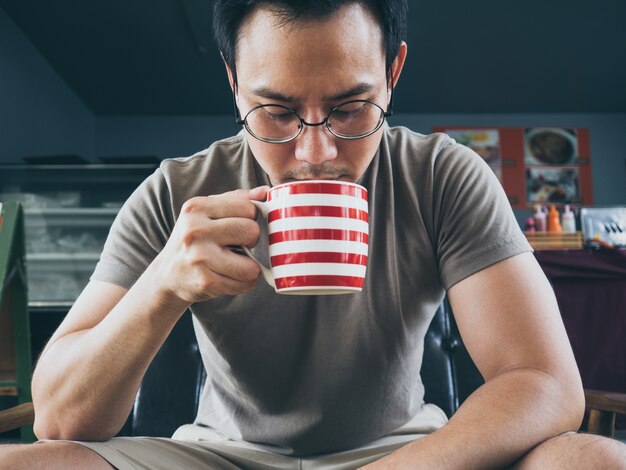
(404, 140)
(429, 160)
(408, 149)
(225, 152)
(226, 165)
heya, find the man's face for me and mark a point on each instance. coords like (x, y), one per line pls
(311, 67)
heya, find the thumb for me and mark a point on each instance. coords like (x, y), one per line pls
(259, 193)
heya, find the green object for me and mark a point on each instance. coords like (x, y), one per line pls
(16, 361)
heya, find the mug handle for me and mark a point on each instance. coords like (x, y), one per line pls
(265, 271)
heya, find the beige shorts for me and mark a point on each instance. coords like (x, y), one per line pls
(195, 447)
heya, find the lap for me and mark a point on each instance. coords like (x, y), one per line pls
(567, 451)
(574, 451)
(162, 453)
(50, 455)
(195, 447)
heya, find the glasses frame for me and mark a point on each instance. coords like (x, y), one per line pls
(303, 123)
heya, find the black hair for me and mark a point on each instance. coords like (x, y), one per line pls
(229, 15)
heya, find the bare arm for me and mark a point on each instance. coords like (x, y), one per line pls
(85, 382)
(510, 322)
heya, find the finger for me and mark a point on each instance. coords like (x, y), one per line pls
(259, 193)
(233, 204)
(234, 231)
(224, 285)
(230, 208)
(234, 266)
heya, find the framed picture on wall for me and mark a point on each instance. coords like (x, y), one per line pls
(550, 146)
(534, 164)
(553, 185)
(485, 142)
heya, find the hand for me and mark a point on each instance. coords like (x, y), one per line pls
(196, 263)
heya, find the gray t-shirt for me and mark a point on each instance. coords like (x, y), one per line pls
(311, 374)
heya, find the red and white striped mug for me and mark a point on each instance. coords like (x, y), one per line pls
(318, 237)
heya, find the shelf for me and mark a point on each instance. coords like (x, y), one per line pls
(76, 176)
(69, 210)
(91, 167)
(70, 217)
(555, 241)
(46, 304)
(62, 257)
(79, 211)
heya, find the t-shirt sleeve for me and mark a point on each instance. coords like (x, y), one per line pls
(138, 233)
(475, 225)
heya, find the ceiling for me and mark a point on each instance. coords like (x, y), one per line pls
(157, 57)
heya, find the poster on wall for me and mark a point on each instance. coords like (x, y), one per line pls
(550, 146)
(535, 165)
(485, 142)
(558, 185)
(550, 156)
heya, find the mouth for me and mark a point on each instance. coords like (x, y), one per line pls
(316, 179)
(324, 172)
(341, 177)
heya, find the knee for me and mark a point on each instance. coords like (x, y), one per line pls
(610, 452)
(49, 455)
(574, 450)
(599, 451)
(12, 456)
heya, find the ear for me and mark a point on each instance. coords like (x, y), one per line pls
(398, 63)
(229, 72)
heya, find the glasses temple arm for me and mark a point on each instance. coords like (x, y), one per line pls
(238, 119)
(389, 111)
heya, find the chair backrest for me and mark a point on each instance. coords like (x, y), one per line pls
(448, 372)
(170, 391)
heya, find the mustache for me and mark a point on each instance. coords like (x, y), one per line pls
(312, 172)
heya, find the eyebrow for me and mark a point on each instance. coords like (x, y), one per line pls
(268, 93)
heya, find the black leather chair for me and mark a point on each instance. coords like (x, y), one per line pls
(170, 391)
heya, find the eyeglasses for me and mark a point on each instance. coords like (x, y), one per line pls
(277, 124)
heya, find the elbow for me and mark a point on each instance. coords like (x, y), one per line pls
(45, 431)
(571, 398)
(45, 426)
(57, 428)
(577, 411)
(61, 421)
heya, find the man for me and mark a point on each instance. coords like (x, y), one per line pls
(329, 381)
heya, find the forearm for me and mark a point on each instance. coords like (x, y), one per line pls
(497, 424)
(85, 383)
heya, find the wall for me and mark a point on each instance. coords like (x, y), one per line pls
(607, 134)
(176, 136)
(163, 136)
(39, 112)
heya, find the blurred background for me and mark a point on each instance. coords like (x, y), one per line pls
(94, 94)
(143, 77)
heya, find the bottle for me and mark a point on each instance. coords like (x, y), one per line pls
(554, 224)
(530, 225)
(540, 219)
(569, 223)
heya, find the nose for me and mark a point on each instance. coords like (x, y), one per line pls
(315, 145)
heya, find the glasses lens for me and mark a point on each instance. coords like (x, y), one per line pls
(355, 119)
(273, 123)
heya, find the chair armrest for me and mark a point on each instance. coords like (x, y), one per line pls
(603, 406)
(17, 417)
